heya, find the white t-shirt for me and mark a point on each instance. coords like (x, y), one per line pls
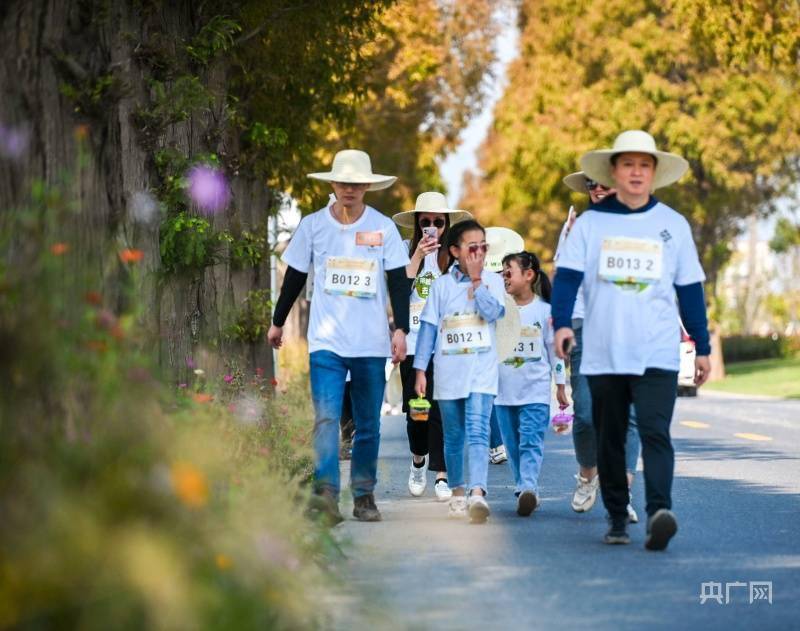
(348, 312)
(448, 307)
(579, 309)
(419, 294)
(525, 377)
(630, 264)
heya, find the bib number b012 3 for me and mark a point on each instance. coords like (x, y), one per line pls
(465, 333)
(351, 277)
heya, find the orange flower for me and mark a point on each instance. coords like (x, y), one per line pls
(190, 484)
(202, 397)
(223, 562)
(93, 298)
(131, 256)
(81, 132)
(58, 249)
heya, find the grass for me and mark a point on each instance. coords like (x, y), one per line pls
(772, 377)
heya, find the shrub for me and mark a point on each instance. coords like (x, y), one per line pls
(739, 348)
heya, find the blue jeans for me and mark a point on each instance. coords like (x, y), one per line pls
(328, 375)
(466, 420)
(495, 437)
(583, 433)
(523, 428)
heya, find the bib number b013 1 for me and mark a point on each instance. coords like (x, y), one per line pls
(465, 333)
(351, 277)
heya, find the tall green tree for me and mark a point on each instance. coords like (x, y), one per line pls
(588, 70)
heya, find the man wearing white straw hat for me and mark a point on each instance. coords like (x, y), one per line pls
(584, 437)
(358, 258)
(634, 255)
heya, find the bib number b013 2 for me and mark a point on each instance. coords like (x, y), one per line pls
(351, 277)
(465, 333)
(631, 260)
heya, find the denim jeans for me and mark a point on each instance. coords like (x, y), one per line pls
(467, 420)
(523, 428)
(328, 373)
(583, 432)
(495, 436)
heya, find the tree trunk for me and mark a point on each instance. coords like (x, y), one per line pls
(50, 44)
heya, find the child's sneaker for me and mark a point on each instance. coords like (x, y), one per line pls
(458, 507)
(442, 491)
(478, 509)
(498, 455)
(585, 493)
(633, 518)
(417, 480)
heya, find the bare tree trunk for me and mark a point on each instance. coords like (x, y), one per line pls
(50, 45)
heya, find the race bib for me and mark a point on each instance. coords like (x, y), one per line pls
(465, 333)
(624, 260)
(529, 347)
(351, 277)
(414, 312)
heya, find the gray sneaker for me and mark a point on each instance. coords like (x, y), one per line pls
(661, 527)
(364, 508)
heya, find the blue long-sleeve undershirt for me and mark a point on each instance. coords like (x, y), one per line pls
(562, 301)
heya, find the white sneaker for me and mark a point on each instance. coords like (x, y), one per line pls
(478, 509)
(498, 455)
(458, 507)
(443, 492)
(632, 516)
(585, 494)
(417, 479)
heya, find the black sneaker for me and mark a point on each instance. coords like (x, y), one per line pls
(661, 527)
(618, 532)
(364, 508)
(527, 503)
(324, 508)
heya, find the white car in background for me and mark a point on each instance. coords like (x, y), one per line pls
(686, 386)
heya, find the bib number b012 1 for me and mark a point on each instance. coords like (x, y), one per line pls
(465, 333)
(351, 277)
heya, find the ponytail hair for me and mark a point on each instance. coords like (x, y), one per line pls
(541, 282)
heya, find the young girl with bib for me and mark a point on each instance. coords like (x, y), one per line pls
(458, 329)
(524, 390)
(430, 221)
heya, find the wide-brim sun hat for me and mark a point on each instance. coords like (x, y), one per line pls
(351, 166)
(670, 167)
(430, 202)
(501, 242)
(577, 182)
(507, 330)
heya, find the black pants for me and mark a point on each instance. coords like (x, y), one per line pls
(423, 437)
(653, 396)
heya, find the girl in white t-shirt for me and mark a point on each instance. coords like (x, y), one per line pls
(429, 221)
(524, 389)
(458, 321)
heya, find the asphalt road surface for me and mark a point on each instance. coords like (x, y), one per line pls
(736, 495)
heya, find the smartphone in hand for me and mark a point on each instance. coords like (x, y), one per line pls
(431, 232)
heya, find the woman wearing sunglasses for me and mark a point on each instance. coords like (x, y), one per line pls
(430, 221)
(583, 433)
(634, 256)
(458, 322)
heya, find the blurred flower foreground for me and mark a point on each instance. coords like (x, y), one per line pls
(125, 502)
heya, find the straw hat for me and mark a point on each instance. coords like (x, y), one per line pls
(507, 330)
(430, 202)
(354, 167)
(577, 182)
(597, 164)
(501, 241)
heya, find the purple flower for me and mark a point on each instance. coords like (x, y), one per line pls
(183, 385)
(228, 378)
(208, 188)
(189, 363)
(14, 141)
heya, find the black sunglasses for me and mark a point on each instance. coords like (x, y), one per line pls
(591, 184)
(426, 223)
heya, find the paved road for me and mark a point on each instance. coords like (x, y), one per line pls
(738, 503)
